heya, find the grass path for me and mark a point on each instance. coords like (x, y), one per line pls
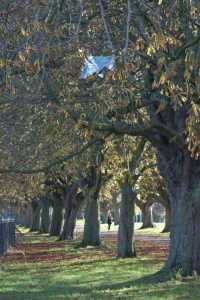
(43, 269)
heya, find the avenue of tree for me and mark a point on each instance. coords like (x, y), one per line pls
(69, 143)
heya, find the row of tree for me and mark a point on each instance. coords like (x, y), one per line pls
(97, 192)
(49, 115)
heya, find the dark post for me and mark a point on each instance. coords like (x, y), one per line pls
(7, 233)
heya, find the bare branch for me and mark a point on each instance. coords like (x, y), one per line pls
(129, 13)
(106, 27)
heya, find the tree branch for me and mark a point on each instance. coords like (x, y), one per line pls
(53, 163)
(129, 9)
(136, 157)
(106, 27)
(152, 132)
(181, 51)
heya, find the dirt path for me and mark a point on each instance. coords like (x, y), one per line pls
(150, 238)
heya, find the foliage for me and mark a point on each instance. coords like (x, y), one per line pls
(40, 67)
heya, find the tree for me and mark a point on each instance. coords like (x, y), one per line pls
(45, 215)
(170, 92)
(57, 215)
(125, 240)
(124, 156)
(73, 201)
(36, 215)
(125, 243)
(91, 235)
(150, 190)
(153, 92)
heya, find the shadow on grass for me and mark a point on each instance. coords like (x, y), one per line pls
(92, 277)
(146, 287)
(148, 280)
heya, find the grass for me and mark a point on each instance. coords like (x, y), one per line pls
(91, 273)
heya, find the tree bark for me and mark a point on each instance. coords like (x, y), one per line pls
(185, 238)
(125, 241)
(45, 216)
(17, 214)
(104, 212)
(28, 216)
(57, 216)
(22, 216)
(167, 219)
(91, 235)
(71, 213)
(116, 208)
(146, 216)
(181, 174)
(69, 196)
(36, 216)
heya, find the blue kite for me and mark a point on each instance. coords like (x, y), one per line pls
(96, 65)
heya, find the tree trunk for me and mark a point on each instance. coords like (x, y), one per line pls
(17, 214)
(57, 216)
(116, 214)
(91, 235)
(104, 212)
(28, 217)
(71, 213)
(23, 216)
(167, 219)
(69, 224)
(125, 241)
(185, 237)
(181, 174)
(146, 216)
(45, 216)
(36, 217)
(115, 204)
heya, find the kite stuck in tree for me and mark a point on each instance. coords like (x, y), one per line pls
(96, 65)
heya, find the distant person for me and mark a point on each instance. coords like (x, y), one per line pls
(109, 221)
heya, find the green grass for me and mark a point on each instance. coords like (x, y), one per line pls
(92, 275)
